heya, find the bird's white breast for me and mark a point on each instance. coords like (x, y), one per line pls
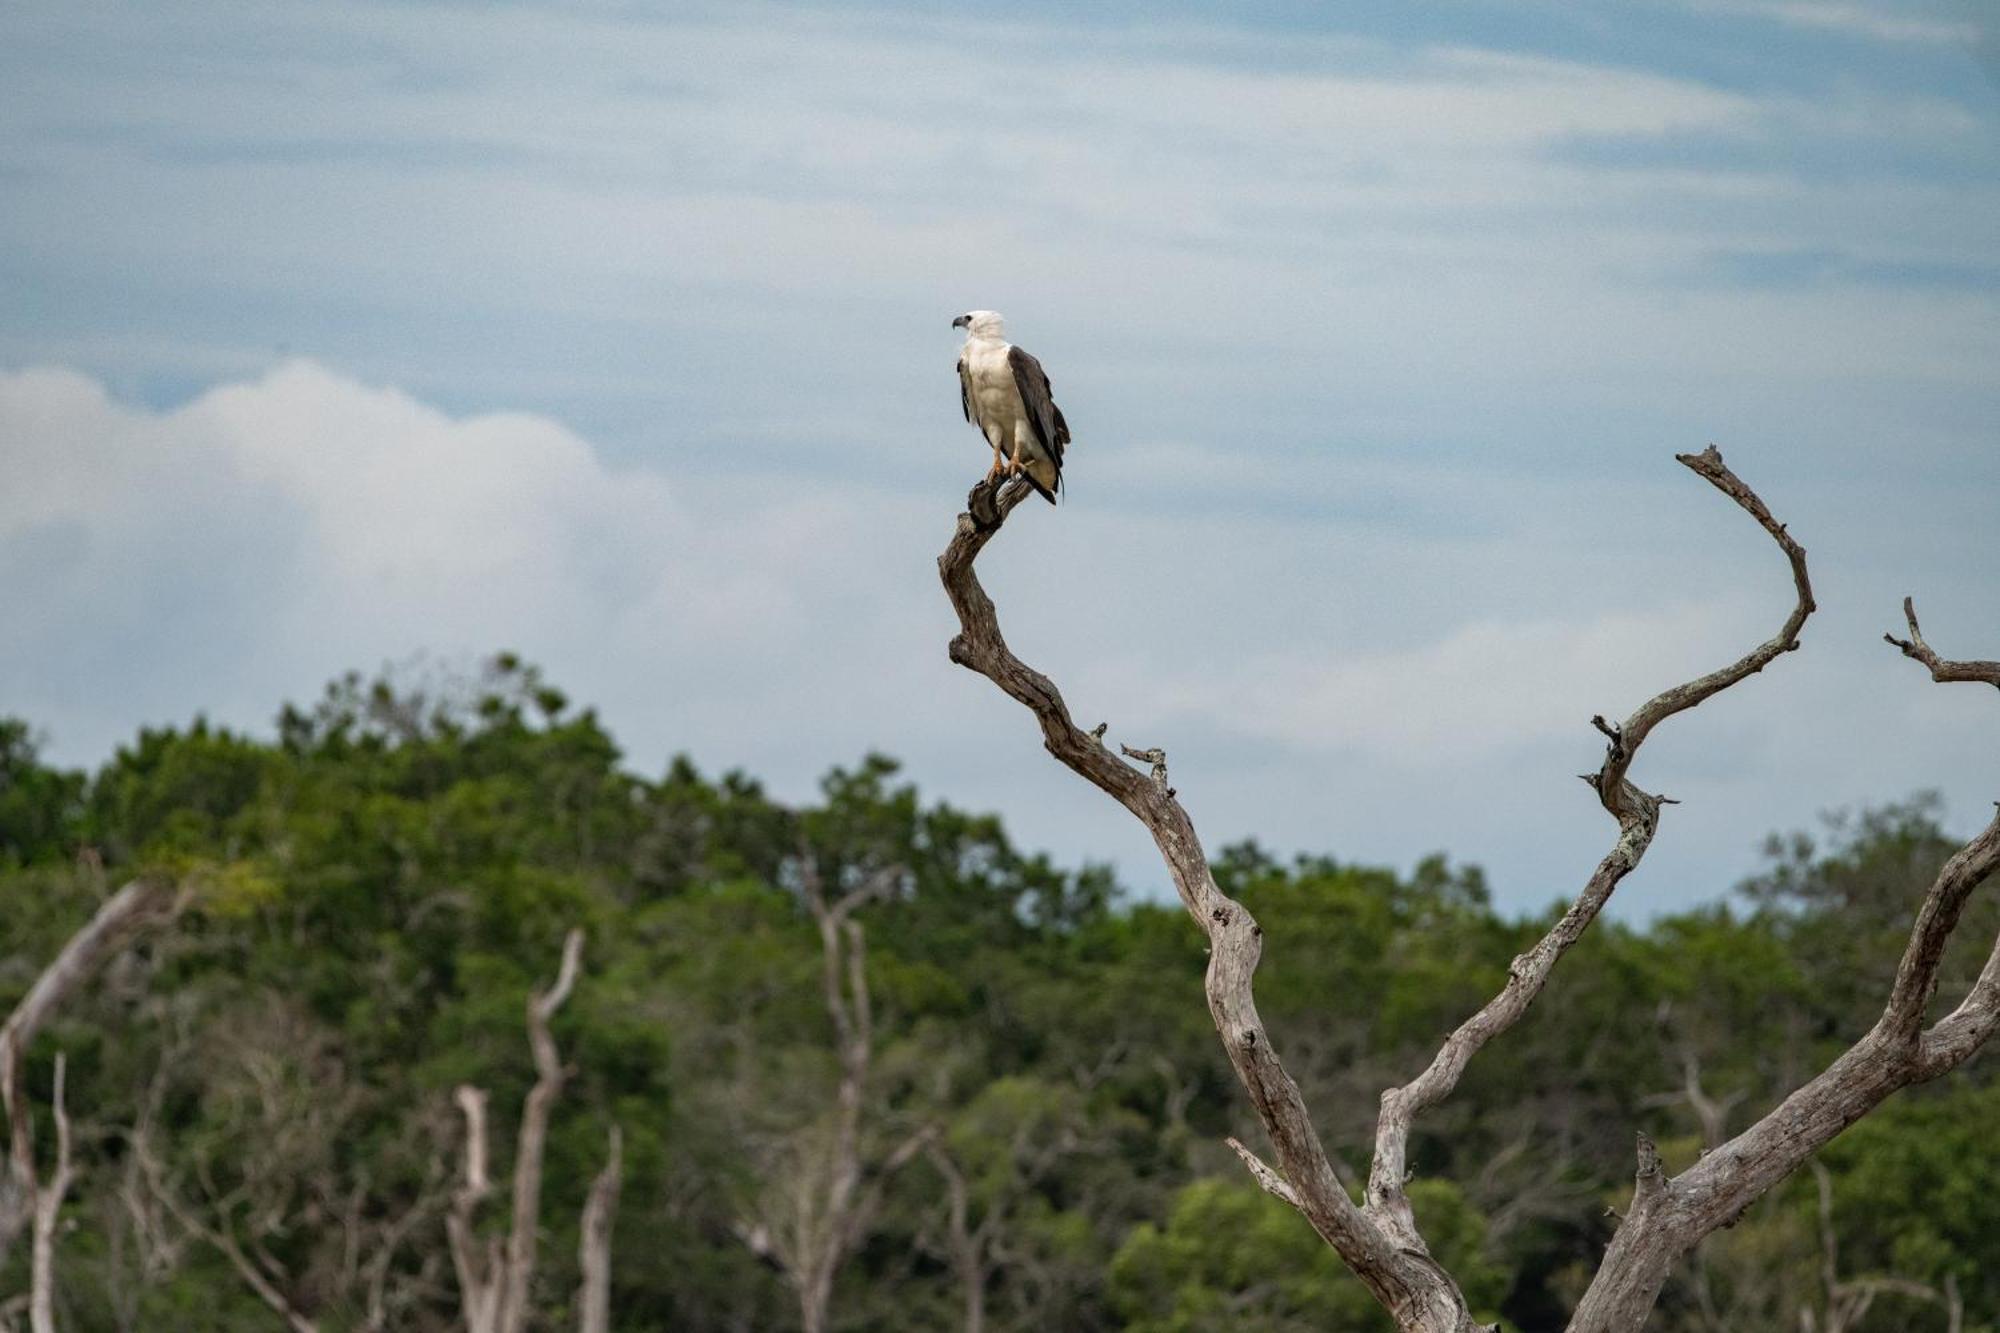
(996, 398)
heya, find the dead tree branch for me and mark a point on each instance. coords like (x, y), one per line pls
(808, 1229)
(48, 1207)
(479, 1278)
(1943, 670)
(493, 1279)
(593, 1246)
(1637, 814)
(254, 1276)
(1379, 1241)
(141, 903)
(1896, 1052)
(1405, 1280)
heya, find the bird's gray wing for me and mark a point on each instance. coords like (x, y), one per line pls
(964, 389)
(1043, 414)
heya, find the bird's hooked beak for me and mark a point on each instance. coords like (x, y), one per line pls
(962, 322)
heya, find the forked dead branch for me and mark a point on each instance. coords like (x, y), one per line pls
(1378, 1237)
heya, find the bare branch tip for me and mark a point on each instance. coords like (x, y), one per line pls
(1267, 1178)
(1651, 1172)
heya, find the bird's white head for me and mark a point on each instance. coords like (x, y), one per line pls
(982, 324)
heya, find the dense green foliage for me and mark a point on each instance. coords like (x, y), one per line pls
(373, 895)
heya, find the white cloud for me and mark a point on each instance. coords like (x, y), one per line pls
(303, 522)
(1343, 685)
(1483, 689)
(1375, 349)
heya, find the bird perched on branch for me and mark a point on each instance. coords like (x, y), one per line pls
(1005, 393)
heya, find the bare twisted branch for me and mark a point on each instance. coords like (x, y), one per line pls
(1402, 1277)
(1943, 670)
(1637, 814)
(1893, 1054)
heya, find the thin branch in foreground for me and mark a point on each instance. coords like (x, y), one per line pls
(1379, 1241)
(1404, 1279)
(1637, 814)
(1943, 670)
(1260, 1171)
(1896, 1052)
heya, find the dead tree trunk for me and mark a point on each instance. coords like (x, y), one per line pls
(48, 1206)
(816, 1220)
(493, 1279)
(139, 904)
(965, 1243)
(593, 1246)
(1378, 1239)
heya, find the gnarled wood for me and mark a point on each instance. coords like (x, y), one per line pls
(1943, 670)
(1379, 1240)
(1404, 1279)
(1896, 1052)
(1637, 814)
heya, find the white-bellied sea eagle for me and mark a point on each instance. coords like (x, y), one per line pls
(1005, 393)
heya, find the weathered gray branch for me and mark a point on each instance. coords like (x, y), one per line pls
(525, 1224)
(1637, 814)
(593, 1246)
(1379, 1241)
(1403, 1278)
(477, 1266)
(829, 1207)
(48, 1208)
(1943, 670)
(493, 1279)
(141, 903)
(1896, 1052)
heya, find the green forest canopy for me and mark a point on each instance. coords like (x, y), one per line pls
(373, 894)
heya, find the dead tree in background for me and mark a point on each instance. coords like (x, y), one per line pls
(593, 1246)
(493, 1279)
(24, 1196)
(275, 1169)
(141, 903)
(1378, 1239)
(48, 1206)
(809, 1222)
(1848, 1300)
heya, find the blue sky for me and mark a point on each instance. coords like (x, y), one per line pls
(618, 335)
